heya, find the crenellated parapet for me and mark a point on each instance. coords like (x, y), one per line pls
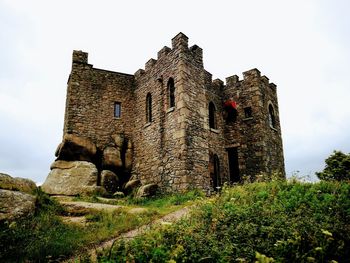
(187, 129)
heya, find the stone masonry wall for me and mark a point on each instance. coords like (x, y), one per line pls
(216, 137)
(175, 148)
(159, 144)
(258, 143)
(91, 95)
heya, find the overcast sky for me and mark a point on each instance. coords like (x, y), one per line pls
(302, 46)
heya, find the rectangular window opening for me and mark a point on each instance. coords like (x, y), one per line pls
(248, 112)
(117, 109)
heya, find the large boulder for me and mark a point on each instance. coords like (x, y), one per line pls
(147, 190)
(109, 181)
(91, 190)
(76, 148)
(131, 186)
(119, 140)
(16, 184)
(128, 159)
(112, 158)
(14, 204)
(70, 178)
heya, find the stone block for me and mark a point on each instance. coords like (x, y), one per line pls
(16, 184)
(109, 181)
(72, 180)
(76, 148)
(14, 205)
(112, 158)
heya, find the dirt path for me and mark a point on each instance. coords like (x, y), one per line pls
(169, 218)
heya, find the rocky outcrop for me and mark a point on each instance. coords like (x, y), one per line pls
(90, 190)
(16, 184)
(118, 194)
(70, 178)
(131, 186)
(76, 148)
(109, 181)
(15, 204)
(119, 140)
(147, 190)
(112, 158)
(82, 208)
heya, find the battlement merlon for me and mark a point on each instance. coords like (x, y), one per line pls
(163, 52)
(251, 74)
(232, 80)
(217, 83)
(150, 63)
(180, 41)
(80, 57)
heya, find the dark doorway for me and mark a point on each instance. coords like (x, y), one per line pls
(216, 175)
(233, 164)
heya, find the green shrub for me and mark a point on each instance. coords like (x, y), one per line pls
(39, 237)
(337, 168)
(281, 221)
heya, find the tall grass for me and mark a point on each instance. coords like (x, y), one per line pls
(44, 237)
(280, 221)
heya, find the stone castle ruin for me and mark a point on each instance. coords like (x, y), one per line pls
(169, 126)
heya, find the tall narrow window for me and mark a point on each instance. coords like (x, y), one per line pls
(117, 109)
(171, 92)
(212, 117)
(149, 107)
(214, 168)
(272, 120)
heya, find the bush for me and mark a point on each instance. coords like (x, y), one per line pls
(337, 168)
(281, 221)
(39, 237)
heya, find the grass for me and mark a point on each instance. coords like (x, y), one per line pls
(161, 204)
(263, 222)
(44, 237)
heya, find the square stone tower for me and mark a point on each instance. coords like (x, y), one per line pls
(171, 124)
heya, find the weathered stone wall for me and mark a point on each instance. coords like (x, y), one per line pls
(91, 94)
(175, 148)
(260, 148)
(216, 137)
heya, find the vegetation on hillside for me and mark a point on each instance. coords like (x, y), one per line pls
(337, 167)
(45, 237)
(267, 222)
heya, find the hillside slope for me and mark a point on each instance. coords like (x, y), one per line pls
(277, 221)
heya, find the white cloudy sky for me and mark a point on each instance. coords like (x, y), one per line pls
(301, 45)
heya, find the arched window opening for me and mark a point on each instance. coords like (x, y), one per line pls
(212, 116)
(214, 168)
(272, 118)
(171, 92)
(149, 107)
